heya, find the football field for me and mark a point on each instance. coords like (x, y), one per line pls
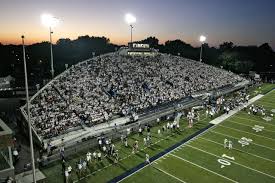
(205, 159)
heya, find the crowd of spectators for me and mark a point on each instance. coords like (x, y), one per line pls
(104, 87)
(50, 114)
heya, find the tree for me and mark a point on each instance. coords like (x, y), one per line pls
(226, 46)
(266, 47)
(178, 46)
(235, 58)
(232, 61)
(152, 41)
(63, 42)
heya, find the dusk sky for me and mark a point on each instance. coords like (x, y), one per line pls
(244, 22)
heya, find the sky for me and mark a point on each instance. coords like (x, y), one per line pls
(244, 22)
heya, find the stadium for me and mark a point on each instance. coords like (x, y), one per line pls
(130, 108)
(170, 105)
(97, 91)
(105, 102)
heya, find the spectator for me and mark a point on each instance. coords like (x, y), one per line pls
(95, 91)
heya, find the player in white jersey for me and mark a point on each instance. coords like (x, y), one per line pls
(225, 143)
(145, 141)
(230, 144)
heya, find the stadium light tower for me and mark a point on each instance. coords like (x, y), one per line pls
(28, 109)
(202, 39)
(50, 22)
(130, 19)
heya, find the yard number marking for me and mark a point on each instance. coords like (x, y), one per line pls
(258, 128)
(224, 160)
(245, 141)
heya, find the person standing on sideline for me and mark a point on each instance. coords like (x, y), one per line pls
(66, 173)
(147, 158)
(63, 165)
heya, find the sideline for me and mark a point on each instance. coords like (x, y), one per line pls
(212, 124)
(159, 155)
(223, 117)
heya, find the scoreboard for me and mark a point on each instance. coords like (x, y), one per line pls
(138, 46)
(140, 49)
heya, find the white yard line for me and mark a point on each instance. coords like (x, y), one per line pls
(223, 117)
(126, 157)
(237, 149)
(231, 161)
(248, 125)
(203, 168)
(147, 164)
(269, 103)
(247, 119)
(170, 175)
(160, 158)
(266, 106)
(226, 135)
(199, 136)
(247, 132)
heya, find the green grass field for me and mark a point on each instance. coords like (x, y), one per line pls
(107, 169)
(262, 89)
(193, 162)
(204, 159)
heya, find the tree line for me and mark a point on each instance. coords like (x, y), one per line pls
(239, 59)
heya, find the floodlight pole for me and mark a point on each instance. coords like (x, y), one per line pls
(131, 33)
(52, 70)
(201, 52)
(28, 110)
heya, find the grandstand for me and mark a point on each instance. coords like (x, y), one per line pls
(105, 91)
